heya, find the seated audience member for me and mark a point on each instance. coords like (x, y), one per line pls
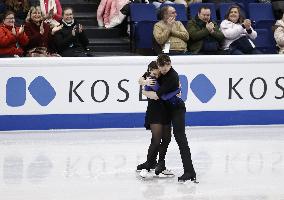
(238, 33)
(52, 11)
(279, 34)
(40, 34)
(12, 38)
(71, 40)
(204, 34)
(170, 35)
(20, 8)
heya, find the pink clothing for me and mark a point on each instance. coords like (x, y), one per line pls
(108, 13)
(58, 15)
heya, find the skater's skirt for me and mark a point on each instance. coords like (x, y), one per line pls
(156, 113)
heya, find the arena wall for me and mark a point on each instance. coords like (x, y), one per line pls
(103, 92)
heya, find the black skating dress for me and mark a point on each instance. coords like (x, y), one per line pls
(156, 112)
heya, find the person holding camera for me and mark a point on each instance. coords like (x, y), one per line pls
(71, 40)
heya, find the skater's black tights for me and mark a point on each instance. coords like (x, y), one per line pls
(161, 137)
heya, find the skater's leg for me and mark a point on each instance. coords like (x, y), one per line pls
(166, 139)
(153, 150)
(178, 121)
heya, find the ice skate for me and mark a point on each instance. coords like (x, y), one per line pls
(187, 178)
(145, 165)
(145, 174)
(161, 170)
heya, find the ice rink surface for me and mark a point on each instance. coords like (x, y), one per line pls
(232, 163)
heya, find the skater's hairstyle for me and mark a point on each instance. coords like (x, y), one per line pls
(163, 59)
(152, 65)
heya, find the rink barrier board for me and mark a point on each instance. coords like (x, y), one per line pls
(136, 120)
(103, 92)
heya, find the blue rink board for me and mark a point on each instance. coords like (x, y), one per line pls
(134, 120)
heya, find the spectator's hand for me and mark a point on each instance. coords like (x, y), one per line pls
(247, 23)
(161, 1)
(210, 27)
(170, 22)
(74, 30)
(22, 29)
(150, 81)
(56, 28)
(14, 30)
(80, 28)
(41, 29)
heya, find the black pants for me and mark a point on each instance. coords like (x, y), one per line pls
(178, 123)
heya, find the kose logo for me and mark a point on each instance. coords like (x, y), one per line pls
(201, 86)
(40, 89)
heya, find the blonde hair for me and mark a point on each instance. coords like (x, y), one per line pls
(32, 9)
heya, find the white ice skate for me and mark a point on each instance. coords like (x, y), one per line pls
(145, 174)
(166, 174)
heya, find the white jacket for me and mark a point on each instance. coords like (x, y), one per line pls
(279, 35)
(233, 32)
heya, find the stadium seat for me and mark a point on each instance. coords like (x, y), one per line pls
(262, 15)
(193, 9)
(142, 19)
(2, 8)
(246, 3)
(265, 41)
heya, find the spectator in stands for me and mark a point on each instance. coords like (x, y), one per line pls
(12, 38)
(204, 34)
(279, 34)
(20, 8)
(238, 33)
(71, 40)
(41, 40)
(52, 11)
(170, 35)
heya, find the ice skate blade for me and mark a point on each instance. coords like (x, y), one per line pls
(188, 182)
(161, 175)
(139, 170)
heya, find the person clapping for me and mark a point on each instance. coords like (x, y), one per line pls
(12, 38)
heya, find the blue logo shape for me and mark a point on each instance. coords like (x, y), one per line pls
(184, 87)
(16, 91)
(202, 88)
(42, 91)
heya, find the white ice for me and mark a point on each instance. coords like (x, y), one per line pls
(232, 163)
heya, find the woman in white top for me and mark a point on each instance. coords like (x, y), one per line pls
(238, 33)
(279, 34)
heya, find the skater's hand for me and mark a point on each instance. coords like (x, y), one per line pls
(150, 94)
(150, 81)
